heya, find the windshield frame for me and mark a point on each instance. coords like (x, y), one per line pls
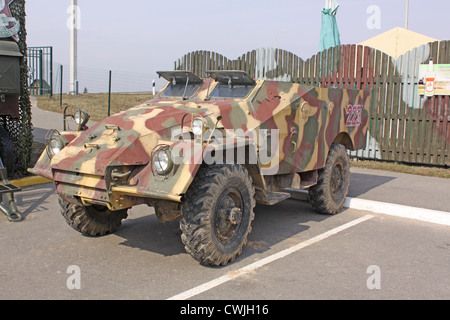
(187, 84)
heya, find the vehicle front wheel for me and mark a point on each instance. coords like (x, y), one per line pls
(92, 220)
(329, 194)
(217, 214)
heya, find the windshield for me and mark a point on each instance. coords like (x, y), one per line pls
(181, 83)
(178, 90)
(231, 84)
(227, 91)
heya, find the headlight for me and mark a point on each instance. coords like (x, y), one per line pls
(81, 118)
(162, 160)
(197, 127)
(55, 143)
(55, 146)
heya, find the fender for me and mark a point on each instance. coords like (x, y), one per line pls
(43, 165)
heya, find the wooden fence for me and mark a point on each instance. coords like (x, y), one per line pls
(404, 126)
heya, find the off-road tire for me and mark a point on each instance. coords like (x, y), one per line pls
(207, 235)
(329, 194)
(7, 151)
(93, 221)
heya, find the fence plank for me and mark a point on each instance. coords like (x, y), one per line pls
(394, 110)
(373, 126)
(347, 66)
(415, 60)
(410, 99)
(446, 131)
(382, 104)
(301, 70)
(328, 57)
(315, 69)
(387, 112)
(366, 69)
(402, 120)
(358, 68)
(443, 132)
(433, 130)
(322, 69)
(306, 72)
(426, 108)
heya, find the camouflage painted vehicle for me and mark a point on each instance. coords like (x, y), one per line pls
(203, 152)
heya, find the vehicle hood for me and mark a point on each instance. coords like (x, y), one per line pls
(125, 139)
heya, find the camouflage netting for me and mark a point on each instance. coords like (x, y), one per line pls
(20, 129)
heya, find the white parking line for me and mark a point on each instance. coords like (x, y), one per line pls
(245, 270)
(427, 215)
(397, 210)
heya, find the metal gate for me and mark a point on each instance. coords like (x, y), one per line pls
(40, 71)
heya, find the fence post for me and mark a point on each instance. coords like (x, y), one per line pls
(41, 72)
(51, 72)
(61, 91)
(109, 94)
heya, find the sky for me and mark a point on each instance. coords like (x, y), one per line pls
(145, 36)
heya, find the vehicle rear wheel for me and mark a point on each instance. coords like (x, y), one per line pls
(217, 214)
(7, 151)
(329, 194)
(92, 220)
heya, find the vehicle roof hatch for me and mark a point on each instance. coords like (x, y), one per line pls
(180, 77)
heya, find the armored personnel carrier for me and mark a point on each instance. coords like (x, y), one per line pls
(203, 152)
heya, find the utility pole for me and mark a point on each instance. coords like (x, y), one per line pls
(74, 24)
(407, 14)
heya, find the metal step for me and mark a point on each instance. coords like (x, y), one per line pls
(271, 198)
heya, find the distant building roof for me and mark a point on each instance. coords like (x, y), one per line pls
(397, 41)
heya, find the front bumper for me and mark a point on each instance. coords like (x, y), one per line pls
(107, 187)
(95, 190)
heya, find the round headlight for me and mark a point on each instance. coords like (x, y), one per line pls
(197, 127)
(162, 160)
(54, 146)
(81, 118)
